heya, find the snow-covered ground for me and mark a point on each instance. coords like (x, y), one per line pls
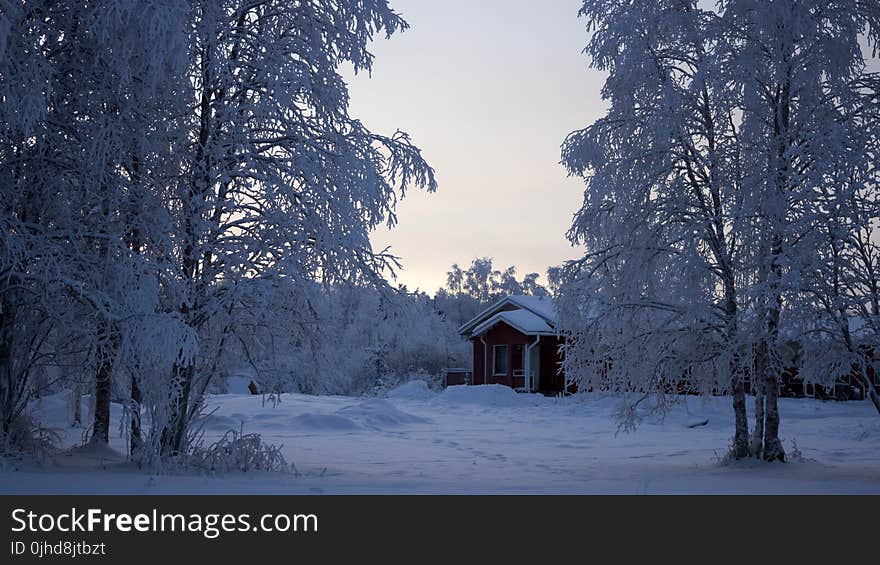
(488, 439)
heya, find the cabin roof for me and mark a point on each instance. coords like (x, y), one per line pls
(533, 316)
(521, 320)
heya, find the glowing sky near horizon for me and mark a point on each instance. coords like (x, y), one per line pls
(488, 89)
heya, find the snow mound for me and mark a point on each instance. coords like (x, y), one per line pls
(324, 422)
(413, 390)
(89, 456)
(377, 413)
(96, 450)
(219, 423)
(483, 395)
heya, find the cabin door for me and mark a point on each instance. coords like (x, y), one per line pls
(535, 367)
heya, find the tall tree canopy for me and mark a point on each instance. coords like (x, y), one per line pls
(707, 195)
(158, 159)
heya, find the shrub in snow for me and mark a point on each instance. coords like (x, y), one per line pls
(25, 436)
(325, 422)
(390, 382)
(237, 451)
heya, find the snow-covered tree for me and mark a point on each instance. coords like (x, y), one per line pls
(796, 66)
(163, 159)
(80, 86)
(469, 291)
(656, 300)
(478, 279)
(117, 142)
(278, 179)
(836, 307)
(703, 188)
(455, 279)
(24, 202)
(337, 340)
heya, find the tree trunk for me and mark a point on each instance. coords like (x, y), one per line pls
(105, 343)
(741, 419)
(872, 394)
(757, 447)
(773, 450)
(781, 167)
(174, 430)
(41, 381)
(182, 424)
(77, 404)
(7, 371)
(769, 375)
(134, 241)
(101, 426)
(740, 448)
(174, 433)
(867, 379)
(135, 441)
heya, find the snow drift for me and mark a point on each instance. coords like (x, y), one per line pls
(497, 396)
(380, 414)
(413, 390)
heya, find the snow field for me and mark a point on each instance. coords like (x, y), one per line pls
(489, 439)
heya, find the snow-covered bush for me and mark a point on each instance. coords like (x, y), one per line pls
(26, 436)
(237, 451)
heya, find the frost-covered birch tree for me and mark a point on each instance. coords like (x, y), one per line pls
(796, 65)
(80, 85)
(159, 159)
(278, 179)
(707, 186)
(836, 309)
(23, 203)
(110, 119)
(656, 301)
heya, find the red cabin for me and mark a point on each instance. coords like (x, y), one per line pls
(515, 344)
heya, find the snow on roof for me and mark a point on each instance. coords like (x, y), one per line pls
(525, 321)
(541, 307)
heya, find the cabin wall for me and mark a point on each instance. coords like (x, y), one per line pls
(552, 381)
(504, 334)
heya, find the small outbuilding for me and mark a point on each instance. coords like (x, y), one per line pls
(515, 344)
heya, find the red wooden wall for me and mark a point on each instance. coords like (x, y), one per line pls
(503, 334)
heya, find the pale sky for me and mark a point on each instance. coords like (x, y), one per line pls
(488, 89)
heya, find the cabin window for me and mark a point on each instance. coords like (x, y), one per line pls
(500, 359)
